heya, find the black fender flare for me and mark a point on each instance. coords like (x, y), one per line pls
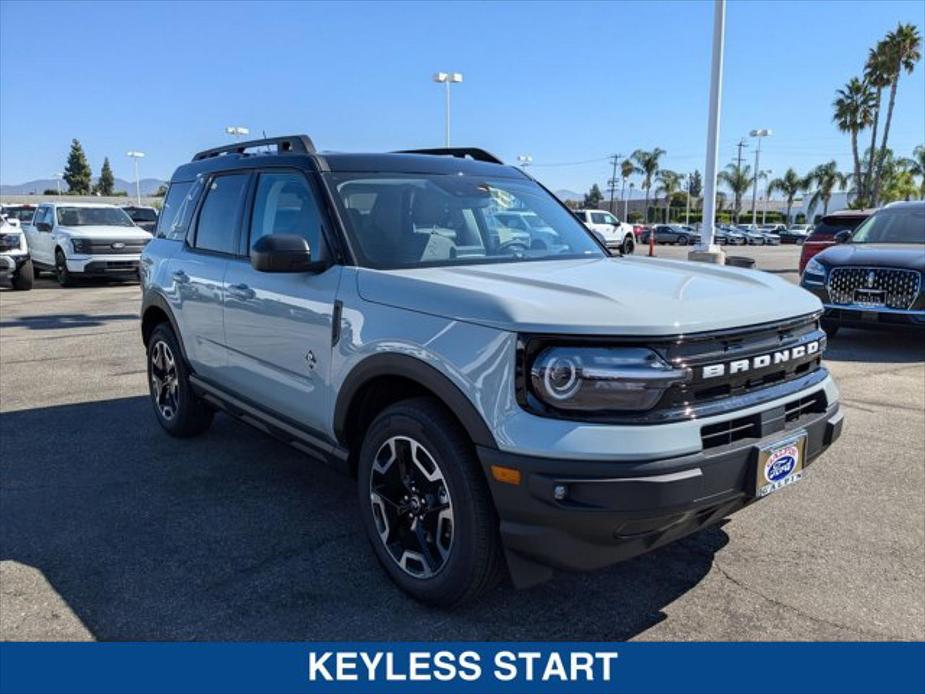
(154, 299)
(421, 372)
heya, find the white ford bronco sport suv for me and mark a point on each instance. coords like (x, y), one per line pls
(532, 407)
(77, 240)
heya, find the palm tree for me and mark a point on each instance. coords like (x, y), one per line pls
(669, 183)
(876, 74)
(790, 185)
(647, 167)
(627, 169)
(825, 177)
(903, 52)
(854, 111)
(738, 179)
(918, 167)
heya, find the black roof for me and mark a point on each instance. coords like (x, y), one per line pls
(298, 151)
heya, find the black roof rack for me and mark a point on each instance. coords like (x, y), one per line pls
(301, 144)
(460, 152)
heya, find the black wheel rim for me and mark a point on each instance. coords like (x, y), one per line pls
(164, 380)
(61, 268)
(411, 507)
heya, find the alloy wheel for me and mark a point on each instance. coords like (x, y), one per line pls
(411, 507)
(164, 380)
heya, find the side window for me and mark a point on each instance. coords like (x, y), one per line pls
(43, 215)
(174, 219)
(610, 219)
(284, 204)
(220, 213)
(599, 218)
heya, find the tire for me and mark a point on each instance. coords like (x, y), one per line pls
(24, 277)
(177, 408)
(831, 328)
(683, 240)
(64, 276)
(629, 246)
(444, 556)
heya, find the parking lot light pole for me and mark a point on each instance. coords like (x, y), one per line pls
(448, 78)
(763, 132)
(58, 176)
(708, 251)
(135, 155)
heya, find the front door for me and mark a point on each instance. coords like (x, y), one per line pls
(41, 243)
(278, 325)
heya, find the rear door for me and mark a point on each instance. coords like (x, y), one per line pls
(278, 326)
(197, 272)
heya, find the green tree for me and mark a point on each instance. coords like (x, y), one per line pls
(669, 183)
(789, 185)
(161, 191)
(876, 74)
(77, 172)
(106, 183)
(918, 168)
(826, 177)
(738, 179)
(647, 167)
(903, 51)
(854, 111)
(695, 184)
(594, 198)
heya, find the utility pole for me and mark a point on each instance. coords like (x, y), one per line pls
(742, 143)
(614, 159)
(687, 209)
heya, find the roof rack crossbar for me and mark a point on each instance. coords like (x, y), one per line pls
(288, 143)
(459, 152)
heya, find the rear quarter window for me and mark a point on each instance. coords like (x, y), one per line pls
(179, 204)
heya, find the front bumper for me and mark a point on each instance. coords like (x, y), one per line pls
(104, 265)
(617, 510)
(854, 316)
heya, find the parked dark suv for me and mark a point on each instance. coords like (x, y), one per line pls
(823, 234)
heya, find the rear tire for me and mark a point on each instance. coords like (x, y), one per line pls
(426, 506)
(683, 240)
(24, 277)
(177, 407)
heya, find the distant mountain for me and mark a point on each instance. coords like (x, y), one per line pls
(569, 195)
(148, 186)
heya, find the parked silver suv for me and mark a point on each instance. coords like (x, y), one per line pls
(531, 406)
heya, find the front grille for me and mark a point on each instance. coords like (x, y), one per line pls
(874, 286)
(114, 246)
(788, 416)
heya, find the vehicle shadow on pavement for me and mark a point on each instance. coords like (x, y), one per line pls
(57, 321)
(890, 347)
(234, 536)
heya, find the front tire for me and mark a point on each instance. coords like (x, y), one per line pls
(64, 276)
(426, 506)
(683, 240)
(629, 246)
(24, 277)
(177, 408)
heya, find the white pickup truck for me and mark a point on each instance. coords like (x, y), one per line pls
(617, 235)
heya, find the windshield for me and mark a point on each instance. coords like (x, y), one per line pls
(93, 216)
(23, 214)
(142, 214)
(419, 220)
(902, 225)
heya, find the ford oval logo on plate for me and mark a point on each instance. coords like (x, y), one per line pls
(780, 465)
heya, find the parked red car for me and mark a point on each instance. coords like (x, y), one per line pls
(823, 234)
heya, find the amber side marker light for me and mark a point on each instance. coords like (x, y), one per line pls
(505, 475)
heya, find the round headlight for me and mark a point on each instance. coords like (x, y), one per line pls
(560, 377)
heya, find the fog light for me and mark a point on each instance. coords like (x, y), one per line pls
(560, 492)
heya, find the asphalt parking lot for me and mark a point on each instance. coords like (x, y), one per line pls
(111, 530)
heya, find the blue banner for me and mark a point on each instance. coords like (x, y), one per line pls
(472, 668)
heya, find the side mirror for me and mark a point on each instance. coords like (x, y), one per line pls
(843, 236)
(283, 253)
(43, 226)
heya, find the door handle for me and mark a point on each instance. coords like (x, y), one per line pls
(241, 291)
(180, 277)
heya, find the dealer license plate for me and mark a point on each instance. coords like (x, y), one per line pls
(780, 464)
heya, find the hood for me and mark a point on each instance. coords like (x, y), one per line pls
(105, 232)
(604, 296)
(910, 256)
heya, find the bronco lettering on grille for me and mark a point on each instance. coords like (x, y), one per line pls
(760, 361)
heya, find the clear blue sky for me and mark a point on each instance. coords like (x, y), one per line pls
(566, 83)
